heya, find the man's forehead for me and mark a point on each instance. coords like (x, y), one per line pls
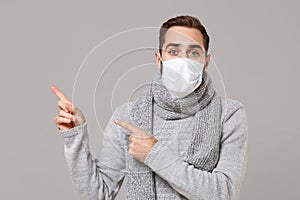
(184, 36)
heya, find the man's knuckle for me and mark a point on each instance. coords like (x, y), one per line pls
(131, 145)
(133, 138)
(130, 151)
(60, 103)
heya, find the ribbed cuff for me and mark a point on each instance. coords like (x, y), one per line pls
(162, 155)
(153, 153)
(74, 131)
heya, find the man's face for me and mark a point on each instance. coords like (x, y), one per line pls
(183, 42)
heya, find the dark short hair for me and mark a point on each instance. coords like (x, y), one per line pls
(186, 21)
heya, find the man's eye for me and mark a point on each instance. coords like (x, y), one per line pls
(194, 53)
(173, 52)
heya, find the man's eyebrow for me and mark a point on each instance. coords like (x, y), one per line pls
(190, 46)
(173, 44)
(195, 46)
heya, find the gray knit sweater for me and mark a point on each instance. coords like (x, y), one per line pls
(101, 177)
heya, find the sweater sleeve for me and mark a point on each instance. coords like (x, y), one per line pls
(224, 181)
(95, 178)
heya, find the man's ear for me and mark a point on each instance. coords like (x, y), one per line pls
(207, 61)
(157, 59)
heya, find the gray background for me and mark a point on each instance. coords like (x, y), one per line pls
(43, 43)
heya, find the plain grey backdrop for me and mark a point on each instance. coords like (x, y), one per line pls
(42, 43)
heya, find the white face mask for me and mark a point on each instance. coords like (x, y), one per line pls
(181, 76)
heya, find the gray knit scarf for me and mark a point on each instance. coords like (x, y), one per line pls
(203, 152)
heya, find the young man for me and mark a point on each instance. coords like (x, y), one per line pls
(178, 140)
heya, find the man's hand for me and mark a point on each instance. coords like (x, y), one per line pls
(141, 142)
(69, 115)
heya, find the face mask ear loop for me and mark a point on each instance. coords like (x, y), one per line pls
(161, 63)
(160, 57)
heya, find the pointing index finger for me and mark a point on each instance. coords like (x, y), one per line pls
(128, 126)
(59, 94)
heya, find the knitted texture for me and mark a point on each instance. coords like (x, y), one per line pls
(202, 152)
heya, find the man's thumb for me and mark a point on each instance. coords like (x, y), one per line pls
(70, 108)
